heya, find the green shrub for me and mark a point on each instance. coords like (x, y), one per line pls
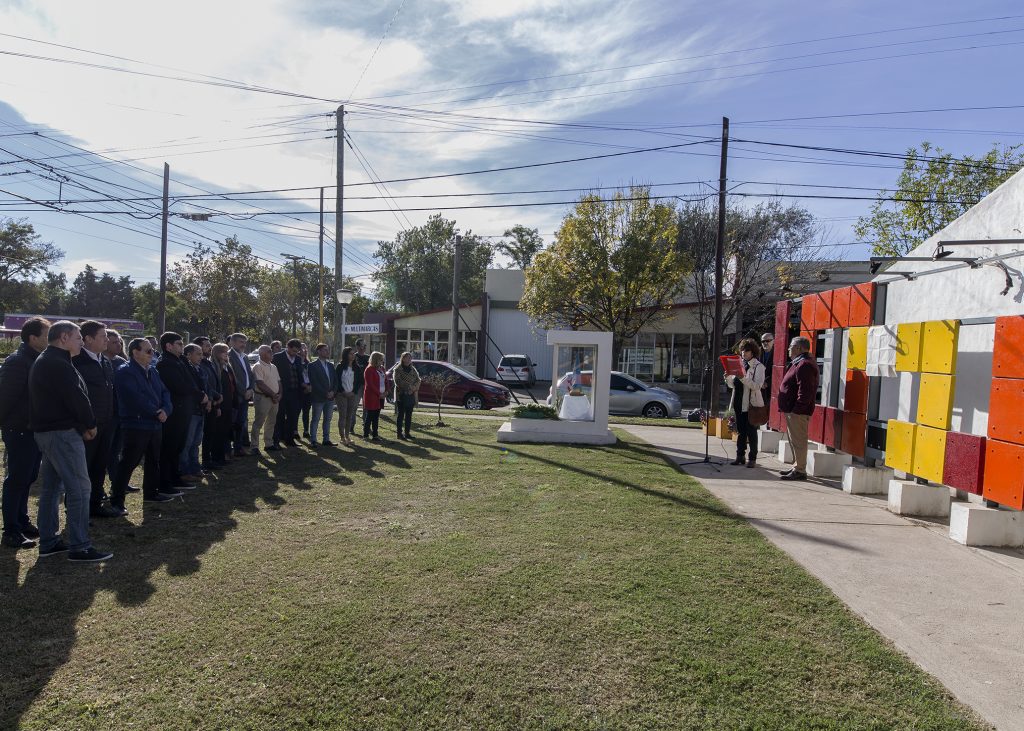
(534, 411)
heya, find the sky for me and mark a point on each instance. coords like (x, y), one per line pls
(436, 87)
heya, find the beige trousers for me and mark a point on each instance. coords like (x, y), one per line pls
(346, 403)
(796, 428)
(266, 416)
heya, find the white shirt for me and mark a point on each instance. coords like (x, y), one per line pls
(348, 380)
(245, 371)
(95, 356)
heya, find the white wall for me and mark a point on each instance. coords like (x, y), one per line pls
(514, 333)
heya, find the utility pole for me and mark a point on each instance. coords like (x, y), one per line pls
(716, 337)
(339, 231)
(161, 317)
(320, 271)
(295, 259)
(453, 345)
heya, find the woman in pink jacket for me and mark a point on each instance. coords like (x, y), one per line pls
(373, 396)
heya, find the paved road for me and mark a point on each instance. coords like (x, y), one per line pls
(956, 611)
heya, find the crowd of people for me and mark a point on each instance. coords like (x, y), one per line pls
(78, 411)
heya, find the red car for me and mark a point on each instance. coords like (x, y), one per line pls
(466, 390)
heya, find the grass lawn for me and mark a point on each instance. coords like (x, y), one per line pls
(445, 584)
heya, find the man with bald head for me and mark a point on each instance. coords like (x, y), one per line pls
(266, 397)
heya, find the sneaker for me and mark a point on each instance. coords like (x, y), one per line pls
(794, 475)
(329, 443)
(58, 547)
(171, 493)
(17, 541)
(184, 486)
(161, 497)
(90, 556)
(30, 531)
(410, 437)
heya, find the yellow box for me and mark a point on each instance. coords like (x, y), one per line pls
(929, 453)
(908, 346)
(899, 446)
(935, 400)
(939, 345)
(857, 349)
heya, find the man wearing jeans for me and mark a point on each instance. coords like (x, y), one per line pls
(244, 385)
(324, 383)
(22, 454)
(62, 420)
(796, 400)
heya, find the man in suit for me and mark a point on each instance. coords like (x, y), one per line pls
(98, 373)
(186, 398)
(244, 384)
(23, 455)
(323, 381)
(290, 368)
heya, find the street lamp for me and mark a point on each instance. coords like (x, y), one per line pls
(344, 299)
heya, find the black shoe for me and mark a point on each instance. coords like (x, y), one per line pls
(58, 547)
(290, 443)
(329, 443)
(160, 497)
(17, 541)
(409, 436)
(254, 451)
(30, 531)
(90, 556)
(103, 511)
(132, 488)
(305, 435)
(119, 509)
(400, 435)
(273, 448)
(794, 475)
(171, 493)
(313, 444)
(220, 464)
(183, 486)
(751, 463)
(737, 461)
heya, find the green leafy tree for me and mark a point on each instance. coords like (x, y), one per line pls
(219, 286)
(416, 268)
(23, 256)
(933, 190)
(101, 295)
(521, 245)
(147, 304)
(614, 267)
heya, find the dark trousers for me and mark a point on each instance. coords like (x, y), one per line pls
(288, 415)
(404, 405)
(371, 422)
(136, 444)
(175, 434)
(97, 457)
(114, 456)
(240, 426)
(307, 404)
(746, 435)
(22, 457)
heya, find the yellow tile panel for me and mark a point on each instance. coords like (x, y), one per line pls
(899, 445)
(929, 453)
(939, 345)
(908, 346)
(857, 349)
(935, 400)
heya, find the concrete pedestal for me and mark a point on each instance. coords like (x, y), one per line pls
(859, 480)
(827, 464)
(909, 498)
(977, 525)
(768, 441)
(785, 452)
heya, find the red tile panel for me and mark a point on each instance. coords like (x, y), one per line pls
(823, 311)
(964, 466)
(783, 311)
(1008, 353)
(816, 428)
(854, 427)
(862, 303)
(856, 399)
(808, 316)
(1006, 410)
(841, 307)
(832, 428)
(1004, 474)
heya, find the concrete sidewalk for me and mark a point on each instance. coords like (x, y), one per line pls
(958, 612)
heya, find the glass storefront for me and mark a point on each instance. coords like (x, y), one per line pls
(433, 345)
(666, 357)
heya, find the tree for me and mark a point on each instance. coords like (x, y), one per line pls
(932, 191)
(439, 382)
(417, 267)
(23, 256)
(524, 245)
(146, 308)
(614, 267)
(219, 287)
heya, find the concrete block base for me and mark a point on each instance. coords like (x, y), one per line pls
(977, 525)
(785, 452)
(909, 498)
(544, 431)
(827, 464)
(859, 480)
(768, 441)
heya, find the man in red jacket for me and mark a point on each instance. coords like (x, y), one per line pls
(797, 395)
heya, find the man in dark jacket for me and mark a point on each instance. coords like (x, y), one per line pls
(244, 385)
(19, 444)
(185, 395)
(98, 374)
(767, 359)
(797, 395)
(290, 368)
(211, 382)
(62, 419)
(358, 368)
(115, 354)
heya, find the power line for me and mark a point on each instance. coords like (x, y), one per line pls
(373, 55)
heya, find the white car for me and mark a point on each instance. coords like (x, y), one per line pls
(517, 370)
(628, 395)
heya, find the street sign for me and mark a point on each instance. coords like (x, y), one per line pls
(363, 329)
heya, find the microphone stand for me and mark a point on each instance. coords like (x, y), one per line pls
(714, 464)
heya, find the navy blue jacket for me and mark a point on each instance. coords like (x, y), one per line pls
(139, 396)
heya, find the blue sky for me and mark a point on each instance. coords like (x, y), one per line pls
(441, 86)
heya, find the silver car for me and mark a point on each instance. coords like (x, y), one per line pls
(628, 396)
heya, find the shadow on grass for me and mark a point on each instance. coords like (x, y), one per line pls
(39, 617)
